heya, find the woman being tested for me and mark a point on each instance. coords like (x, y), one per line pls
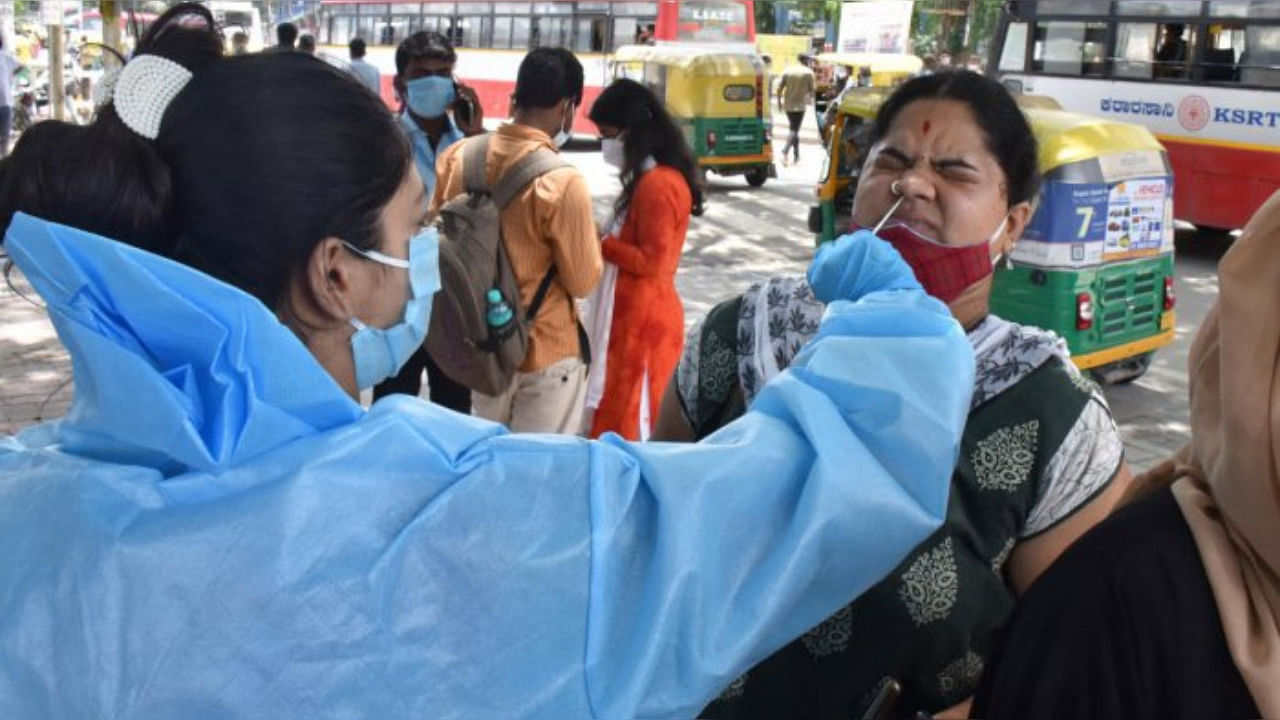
(218, 529)
(950, 177)
(638, 318)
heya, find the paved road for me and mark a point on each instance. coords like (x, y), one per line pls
(746, 234)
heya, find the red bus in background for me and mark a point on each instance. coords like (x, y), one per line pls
(491, 38)
(1215, 105)
(706, 21)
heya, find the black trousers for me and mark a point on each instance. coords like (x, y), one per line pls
(795, 119)
(444, 391)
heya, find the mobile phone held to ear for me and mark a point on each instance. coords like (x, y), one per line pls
(462, 108)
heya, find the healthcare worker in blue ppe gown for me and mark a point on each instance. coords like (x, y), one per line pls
(217, 529)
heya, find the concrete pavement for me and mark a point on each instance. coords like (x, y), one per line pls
(35, 370)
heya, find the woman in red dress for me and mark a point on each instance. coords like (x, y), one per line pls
(639, 328)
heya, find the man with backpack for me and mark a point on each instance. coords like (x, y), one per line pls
(548, 240)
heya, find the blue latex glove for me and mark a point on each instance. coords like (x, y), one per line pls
(856, 264)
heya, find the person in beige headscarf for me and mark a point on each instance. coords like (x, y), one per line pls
(1172, 607)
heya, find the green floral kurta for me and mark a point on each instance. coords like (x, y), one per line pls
(1040, 442)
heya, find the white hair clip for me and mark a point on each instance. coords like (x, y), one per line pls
(146, 86)
(106, 87)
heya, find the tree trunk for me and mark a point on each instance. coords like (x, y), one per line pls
(110, 11)
(57, 90)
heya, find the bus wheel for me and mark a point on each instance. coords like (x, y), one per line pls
(1122, 372)
(757, 176)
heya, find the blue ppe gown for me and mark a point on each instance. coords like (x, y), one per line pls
(215, 530)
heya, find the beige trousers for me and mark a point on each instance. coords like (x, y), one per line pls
(549, 400)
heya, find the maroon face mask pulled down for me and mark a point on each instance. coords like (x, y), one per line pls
(945, 271)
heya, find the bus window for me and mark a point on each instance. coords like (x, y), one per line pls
(407, 13)
(1072, 7)
(1173, 56)
(366, 27)
(1260, 61)
(341, 29)
(521, 32)
(624, 32)
(1135, 48)
(553, 24)
(1158, 7)
(501, 33)
(396, 30)
(553, 31)
(628, 19)
(433, 23)
(1224, 44)
(552, 8)
(1069, 48)
(1245, 8)
(589, 35)
(1014, 55)
(471, 30)
(511, 25)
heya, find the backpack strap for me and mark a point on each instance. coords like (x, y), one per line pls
(529, 167)
(584, 341)
(475, 163)
(541, 294)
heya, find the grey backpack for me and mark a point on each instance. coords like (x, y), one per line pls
(473, 260)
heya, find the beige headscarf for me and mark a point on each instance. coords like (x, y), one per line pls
(1228, 477)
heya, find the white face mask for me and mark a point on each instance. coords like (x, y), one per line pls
(563, 136)
(614, 151)
(995, 261)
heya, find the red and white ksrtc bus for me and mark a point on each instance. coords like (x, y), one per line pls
(492, 38)
(1203, 76)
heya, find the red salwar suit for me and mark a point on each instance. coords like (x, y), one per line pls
(648, 318)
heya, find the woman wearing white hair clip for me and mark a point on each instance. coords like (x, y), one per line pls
(230, 252)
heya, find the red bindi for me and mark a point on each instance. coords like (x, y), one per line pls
(926, 127)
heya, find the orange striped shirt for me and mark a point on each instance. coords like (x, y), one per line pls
(550, 221)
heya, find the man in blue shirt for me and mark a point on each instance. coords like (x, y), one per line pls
(364, 71)
(429, 96)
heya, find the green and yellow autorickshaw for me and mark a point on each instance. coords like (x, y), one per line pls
(881, 70)
(719, 99)
(1095, 264)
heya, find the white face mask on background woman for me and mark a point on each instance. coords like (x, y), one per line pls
(614, 150)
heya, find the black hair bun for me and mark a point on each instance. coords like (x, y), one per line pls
(186, 34)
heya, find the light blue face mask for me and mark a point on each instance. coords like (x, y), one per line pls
(380, 353)
(431, 96)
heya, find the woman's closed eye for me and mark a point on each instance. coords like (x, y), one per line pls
(958, 170)
(890, 159)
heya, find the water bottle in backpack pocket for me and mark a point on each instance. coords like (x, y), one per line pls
(499, 315)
